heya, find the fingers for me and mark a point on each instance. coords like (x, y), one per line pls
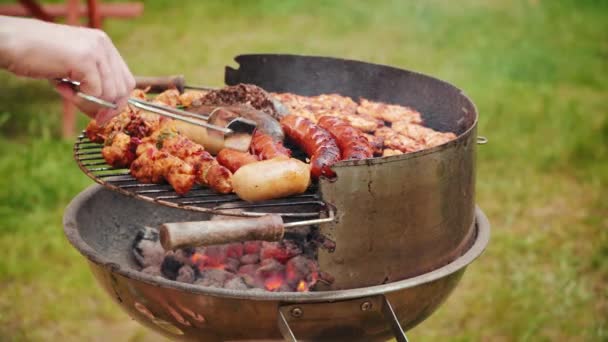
(103, 74)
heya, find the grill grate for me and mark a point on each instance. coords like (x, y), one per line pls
(304, 206)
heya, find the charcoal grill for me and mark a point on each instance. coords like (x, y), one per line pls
(405, 227)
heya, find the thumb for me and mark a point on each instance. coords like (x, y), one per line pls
(66, 91)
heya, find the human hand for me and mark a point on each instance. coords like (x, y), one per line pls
(38, 49)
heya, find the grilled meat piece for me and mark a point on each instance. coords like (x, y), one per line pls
(377, 143)
(169, 98)
(390, 152)
(120, 150)
(153, 165)
(208, 171)
(389, 113)
(325, 104)
(192, 97)
(241, 94)
(424, 135)
(402, 143)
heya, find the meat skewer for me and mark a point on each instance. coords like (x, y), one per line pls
(315, 141)
(207, 170)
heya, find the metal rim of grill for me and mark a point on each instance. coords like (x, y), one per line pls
(90, 160)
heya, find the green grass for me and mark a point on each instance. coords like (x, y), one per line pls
(536, 70)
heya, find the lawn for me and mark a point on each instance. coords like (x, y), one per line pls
(537, 70)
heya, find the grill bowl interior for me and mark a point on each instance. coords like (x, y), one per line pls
(102, 224)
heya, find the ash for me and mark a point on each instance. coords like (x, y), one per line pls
(286, 266)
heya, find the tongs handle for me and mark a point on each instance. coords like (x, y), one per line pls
(178, 114)
(173, 113)
(76, 87)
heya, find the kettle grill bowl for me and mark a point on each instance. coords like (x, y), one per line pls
(101, 224)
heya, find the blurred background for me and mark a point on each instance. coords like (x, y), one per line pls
(537, 71)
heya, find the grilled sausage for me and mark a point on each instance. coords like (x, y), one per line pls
(352, 143)
(233, 160)
(318, 144)
(265, 147)
(273, 178)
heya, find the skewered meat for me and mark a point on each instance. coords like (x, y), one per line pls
(120, 149)
(352, 143)
(153, 165)
(315, 141)
(207, 170)
(265, 147)
(234, 160)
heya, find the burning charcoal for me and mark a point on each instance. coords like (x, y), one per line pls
(147, 249)
(152, 270)
(250, 276)
(170, 266)
(279, 251)
(252, 247)
(214, 278)
(298, 269)
(232, 265)
(234, 250)
(236, 283)
(275, 283)
(269, 267)
(248, 269)
(216, 255)
(186, 274)
(250, 258)
(183, 256)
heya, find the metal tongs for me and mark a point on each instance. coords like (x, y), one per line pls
(224, 128)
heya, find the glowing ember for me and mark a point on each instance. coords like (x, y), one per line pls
(273, 282)
(302, 287)
(272, 266)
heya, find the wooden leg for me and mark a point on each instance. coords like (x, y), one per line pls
(69, 119)
(69, 110)
(36, 10)
(94, 15)
(71, 16)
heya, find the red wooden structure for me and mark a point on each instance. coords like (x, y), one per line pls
(94, 10)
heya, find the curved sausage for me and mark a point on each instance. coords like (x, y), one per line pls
(265, 147)
(315, 141)
(233, 160)
(353, 144)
